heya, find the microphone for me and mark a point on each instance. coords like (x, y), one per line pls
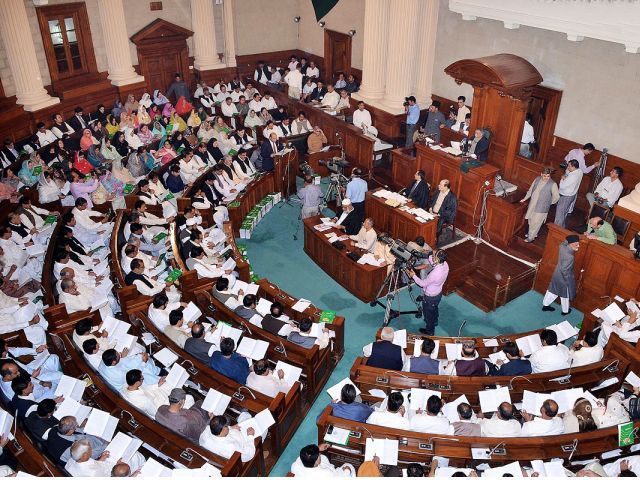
(464, 322)
(495, 448)
(517, 376)
(395, 372)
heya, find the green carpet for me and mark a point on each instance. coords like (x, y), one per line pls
(275, 255)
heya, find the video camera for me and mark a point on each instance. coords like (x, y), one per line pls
(406, 256)
(335, 164)
(305, 169)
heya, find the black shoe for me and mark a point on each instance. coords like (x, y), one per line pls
(424, 330)
(566, 313)
(548, 309)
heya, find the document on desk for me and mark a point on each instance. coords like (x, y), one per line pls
(301, 305)
(166, 357)
(323, 227)
(612, 314)
(370, 259)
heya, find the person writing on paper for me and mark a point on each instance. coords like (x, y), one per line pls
(229, 363)
(432, 289)
(366, 238)
(424, 363)
(224, 440)
(502, 424)
(515, 365)
(469, 424)
(65, 434)
(198, 346)
(586, 351)
(431, 421)
(418, 191)
(395, 415)
(348, 408)
(305, 337)
(188, 422)
(563, 280)
(552, 356)
(312, 464)
(248, 308)
(384, 353)
(548, 423)
(114, 367)
(349, 220)
(264, 380)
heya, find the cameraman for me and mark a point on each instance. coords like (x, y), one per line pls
(356, 190)
(311, 196)
(432, 289)
(421, 265)
(412, 109)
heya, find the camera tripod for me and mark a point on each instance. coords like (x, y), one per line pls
(392, 284)
(335, 182)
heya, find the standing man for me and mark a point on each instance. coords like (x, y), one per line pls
(434, 122)
(294, 80)
(311, 196)
(543, 193)
(412, 110)
(463, 110)
(356, 190)
(179, 89)
(528, 137)
(579, 154)
(268, 150)
(432, 289)
(569, 185)
(563, 281)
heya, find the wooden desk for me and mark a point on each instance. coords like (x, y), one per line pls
(363, 281)
(253, 193)
(395, 222)
(314, 160)
(468, 187)
(285, 170)
(505, 218)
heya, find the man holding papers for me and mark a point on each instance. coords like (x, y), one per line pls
(198, 346)
(468, 424)
(548, 423)
(265, 381)
(346, 406)
(45, 365)
(502, 423)
(229, 363)
(174, 330)
(394, 416)
(424, 363)
(188, 422)
(384, 353)
(586, 351)
(310, 334)
(82, 463)
(552, 356)
(147, 398)
(149, 286)
(21, 314)
(114, 368)
(312, 464)
(224, 440)
(65, 434)
(431, 421)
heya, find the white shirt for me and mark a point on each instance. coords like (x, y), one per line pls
(256, 106)
(308, 88)
(389, 419)
(365, 239)
(539, 427)
(462, 114)
(586, 355)
(294, 79)
(46, 137)
(610, 190)
(550, 358)
(527, 133)
(331, 100)
(362, 117)
(147, 398)
(228, 110)
(570, 183)
(227, 446)
(267, 384)
(313, 72)
(496, 427)
(269, 103)
(324, 470)
(431, 424)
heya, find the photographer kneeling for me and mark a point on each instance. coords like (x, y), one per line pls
(432, 289)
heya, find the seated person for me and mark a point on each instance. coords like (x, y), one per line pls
(394, 416)
(146, 398)
(348, 220)
(221, 290)
(608, 190)
(431, 421)
(502, 424)
(478, 145)
(348, 408)
(366, 238)
(188, 422)
(444, 204)
(418, 191)
(61, 438)
(311, 464)
(24, 400)
(149, 286)
(175, 331)
(161, 308)
(175, 184)
(586, 351)
(263, 379)
(602, 231)
(331, 98)
(468, 425)
(304, 337)
(40, 421)
(552, 356)
(548, 423)
(285, 127)
(469, 364)
(316, 140)
(384, 353)
(224, 440)
(424, 363)
(248, 308)
(275, 320)
(515, 366)
(198, 346)
(114, 368)
(229, 363)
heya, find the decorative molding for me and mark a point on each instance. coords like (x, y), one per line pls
(610, 21)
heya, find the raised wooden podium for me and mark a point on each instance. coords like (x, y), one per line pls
(286, 166)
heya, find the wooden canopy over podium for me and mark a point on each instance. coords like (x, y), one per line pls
(502, 87)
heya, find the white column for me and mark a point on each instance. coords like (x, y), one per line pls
(21, 56)
(426, 48)
(374, 55)
(401, 61)
(229, 34)
(205, 50)
(116, 42)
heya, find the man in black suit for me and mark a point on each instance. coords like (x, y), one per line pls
(418, 191)
(209, 189)
(9, 153)
(78, 122)
(318, 93)
(349, 220)
(478, 145)
(197, 346)
(515, 365)
(22, 387)
(267, 151)
(444, 204)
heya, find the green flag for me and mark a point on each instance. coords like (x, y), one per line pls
(322, 7)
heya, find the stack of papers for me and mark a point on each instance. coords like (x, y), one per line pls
(253, 349)
(386, 450)
(323, 227)
(339, 436)
(247, 288)
(370, 259)
(153, 469)
(490, 400)
(101, 424)
(216, 402)
(335, 391)
(450, 409)
(301, 305)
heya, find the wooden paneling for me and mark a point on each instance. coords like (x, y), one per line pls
(403, 167)
(634, 219)
(337, 54)
(505, 217)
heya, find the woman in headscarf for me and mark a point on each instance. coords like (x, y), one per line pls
(131, 104)
(202, 114)
(155, 113)
(136, 165)
(132, 139)
(98, 131)
(117, 109)
(226, 144)
(221, 126)
(159, 98)
(101, 114)
(252, 121)
(143, 116)
(10, 178)
(87, 140)
(94, 157)
(145, 101)
(126, 122)
(177, 123)
(120, 171)
(193, 120)
(30, 170)
(83, 188)
(111, 184)
(48, 189)
(81, 164)
(8, 192)
(108, 151)
(145, 135)
(165, 153)
(265, 115)
(112, 125)
(158, 129)
(167, 110)
(206, 132)
(179, 143)
(120, 144)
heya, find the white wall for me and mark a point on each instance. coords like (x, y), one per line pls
(265, 25)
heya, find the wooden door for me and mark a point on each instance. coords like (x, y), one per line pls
(159, 69)
(337, 54)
